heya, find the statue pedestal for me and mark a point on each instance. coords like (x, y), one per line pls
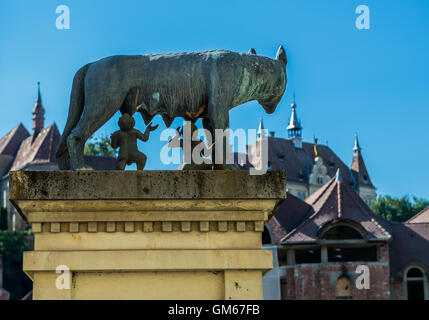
(147, 234)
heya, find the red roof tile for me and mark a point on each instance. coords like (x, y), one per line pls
(337, 201)
(292, 212)
(11, 141)
(40, 149)
(282, 155)
(410, 245)
(360, 172)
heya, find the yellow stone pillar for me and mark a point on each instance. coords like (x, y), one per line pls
(147, 234)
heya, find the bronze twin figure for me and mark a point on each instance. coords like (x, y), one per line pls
(126, 140)
(190, 85)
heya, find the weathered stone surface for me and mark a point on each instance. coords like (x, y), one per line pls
(97, 185)
(147, 234)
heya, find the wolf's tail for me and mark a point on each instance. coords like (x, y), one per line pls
(77, 101)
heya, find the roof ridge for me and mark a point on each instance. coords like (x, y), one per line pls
(339, 203)
(417, 215)
(322, 191)
(367, 211)
(311, 216)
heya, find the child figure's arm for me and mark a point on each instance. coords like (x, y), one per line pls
(145, 136)
(114, 140)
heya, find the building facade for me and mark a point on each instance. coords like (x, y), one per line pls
(309, 166)
(22, 150)
(326, 245)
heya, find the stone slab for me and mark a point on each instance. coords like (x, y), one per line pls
(93, 185)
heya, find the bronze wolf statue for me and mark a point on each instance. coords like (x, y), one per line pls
(191, 85)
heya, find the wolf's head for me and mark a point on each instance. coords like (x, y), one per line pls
(276, 81)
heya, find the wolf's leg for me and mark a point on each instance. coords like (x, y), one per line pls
(96, 113)
(219, 120)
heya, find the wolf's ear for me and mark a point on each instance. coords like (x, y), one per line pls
(252, 51)
(281, 55)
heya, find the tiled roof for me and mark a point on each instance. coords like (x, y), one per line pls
(337, 201)
(40, 149)
(277, 230)
(422, 216)
(292, 212)
(11, 141)
(360, 172)
(410, 245)
(282, 155)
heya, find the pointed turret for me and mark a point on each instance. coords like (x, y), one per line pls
(356, 148)
(261, 129)
(294, 129)
(358, 166)
(38, 114)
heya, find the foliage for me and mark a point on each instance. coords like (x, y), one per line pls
(12, 246)
(398, 209)
(99, 147)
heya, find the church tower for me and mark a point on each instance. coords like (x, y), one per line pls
(294, 129)
(38, 114)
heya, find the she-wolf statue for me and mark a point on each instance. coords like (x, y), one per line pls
(190, 85)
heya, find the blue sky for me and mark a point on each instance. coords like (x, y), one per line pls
(373, 82)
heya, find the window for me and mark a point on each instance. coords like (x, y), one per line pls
(415, 284)
(282, 256)
(341, 232)
(311, 255)
(343, 288)
(283, 293)
(319, 180)
(351, 254)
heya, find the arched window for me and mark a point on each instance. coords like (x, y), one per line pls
(339, 250)
(343, 288)
(415, 284)
(341, 232)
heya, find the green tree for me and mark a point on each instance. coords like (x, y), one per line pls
(398, 209)
(12, 246)
(99, 147)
